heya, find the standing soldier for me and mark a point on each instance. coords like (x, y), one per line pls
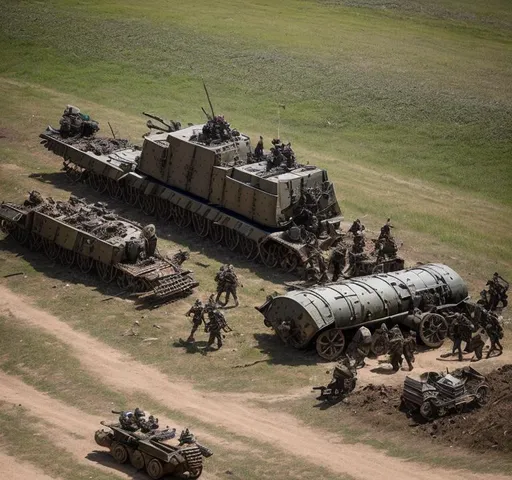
(231, 284)
(258, 151)
(219, 279)
(495, 332)
(356, 227)
(409, 348)
(197, 310)
(396, 348)
(359, 347)
(214, 327)
(338, 261)
(461, 330)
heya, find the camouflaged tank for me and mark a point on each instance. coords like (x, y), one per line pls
(94, 238)
(207, 177)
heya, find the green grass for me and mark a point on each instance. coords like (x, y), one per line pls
(419, 96)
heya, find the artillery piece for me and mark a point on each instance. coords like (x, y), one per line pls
(95, 238)
(419, 298)
(207, 177)
(153, 452)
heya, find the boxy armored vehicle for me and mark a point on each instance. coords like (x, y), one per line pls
(153, 452)
(434, 394)
(92, 237)
(264, 205)
(419, 298)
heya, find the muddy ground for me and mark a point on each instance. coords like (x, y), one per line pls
(481, 429)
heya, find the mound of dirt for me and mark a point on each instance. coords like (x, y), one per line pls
(485, 428)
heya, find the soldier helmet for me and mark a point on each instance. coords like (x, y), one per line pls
(496, 274)
(149, 231)
(139, 413)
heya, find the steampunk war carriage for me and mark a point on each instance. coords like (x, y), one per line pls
(153, 452)
(94, 238)
(264, 205)
(434, 394)
(419, 298)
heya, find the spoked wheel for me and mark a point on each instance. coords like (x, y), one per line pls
(21, 235)
(249, 248)
(67, 257)
(482, 395)
(428, 410)
(35, 242)
(155, 469)
(195, 472)
(216, 232)
(148, 204)
(330, 344)
(163, 209)
(269, 252)
(106, 272)
(119, 452)
(201, 225)
(433, 330)
(231, 238)
(85, 264)
(51, 249)
(289, 261)
(182, 217)
(114, 189)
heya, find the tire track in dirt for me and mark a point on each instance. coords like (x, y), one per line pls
(118, 371)
(13, 469)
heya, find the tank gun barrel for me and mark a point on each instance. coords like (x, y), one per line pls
(169, 124)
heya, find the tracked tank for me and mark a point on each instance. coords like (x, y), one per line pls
(419, 298)
(266, 205)
(154, 452)
(95, 239)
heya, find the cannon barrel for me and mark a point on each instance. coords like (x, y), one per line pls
(360, 301)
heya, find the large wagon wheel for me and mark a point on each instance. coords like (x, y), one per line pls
(155, 469)
(269, 252)
(216, 232)
(106, 272)
(84, 263)
(231, 239)
(433, 330)
(114, 189)
(148, 204)
(182, 217)
(330, 344)
(201, 225)
(137, 459)
(36, 242)
(51, 249)
(67, 257)
(119, 452)
(289, 261)
(163, 209)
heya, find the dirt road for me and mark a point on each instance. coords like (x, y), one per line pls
(13, 469)
(117, 370)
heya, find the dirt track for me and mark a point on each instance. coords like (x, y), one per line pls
(13, 469)
(117, 370)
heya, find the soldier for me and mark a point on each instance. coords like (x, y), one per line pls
(127, 421)
(385, 231)
(140, 417)
(461, 330)
(356, 227)
(219, 279)
(231, 283)
(495, 332)
(34, 199)
(359, 347)
(396, 345)
(338, 261)
(359, 244)
(197, 310)
(477, 345)
(409, 348)
(497, 291)
(150, 240)
(214, 327)
(258, 151)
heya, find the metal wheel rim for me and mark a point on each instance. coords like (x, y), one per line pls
(249, 248)
(162, 209)
(289, 262)
(232, 239)
(433, 330)
(330, 344)
(216, 232)
(182, 217)
(114, 189)
(68, 257)
(148, 204)
(51, 249)
(154, 469)
(137, 460)
(21, 235)
(119, 453)
(36, 242)
(106, 272)
(269, 252)
(134, 197)
(85, 264)
(201, 225)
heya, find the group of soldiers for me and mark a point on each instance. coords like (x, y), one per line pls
(227, 283)
(75, 123)
(217, 130)
(134, 420)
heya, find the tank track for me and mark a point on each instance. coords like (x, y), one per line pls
(273, 249)
(153, 283)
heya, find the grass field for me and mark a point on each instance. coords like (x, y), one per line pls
(406, 103)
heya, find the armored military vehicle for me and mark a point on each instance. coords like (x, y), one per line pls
(153, 451)
(435, 394)
(95, 238)
(263, 204)
(419, 298)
